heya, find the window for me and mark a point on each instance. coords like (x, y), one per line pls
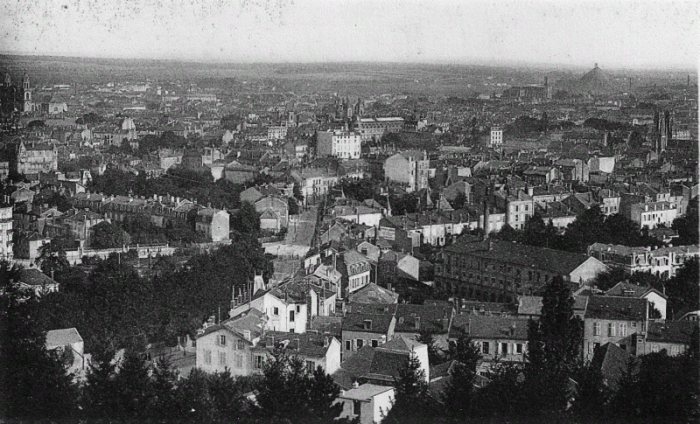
(596, 329)
(360, 343)
(519, 348)
(258, 362)
(207, 356)
(222, 358)
(291, 316)
(238, 361)
(222, 340)
(310, 366)
(634, 324)
(356, 407)
(504, 348)
(485, 348)
(241, 345)
(348, 344)
(623, 329)
(276, 311)
(298, 309)
(375, 343)
(611, 330)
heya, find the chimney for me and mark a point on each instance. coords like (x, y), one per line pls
(416, 323)
(512, 330)
(270, 341)
(355, 384)
(246, 334)
(469, 326)
(445, 324)
(326, 342)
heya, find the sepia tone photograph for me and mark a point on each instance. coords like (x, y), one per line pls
(349, 211)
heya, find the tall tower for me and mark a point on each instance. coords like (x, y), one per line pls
(28, 105)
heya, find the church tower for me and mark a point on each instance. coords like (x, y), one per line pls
(28, 104)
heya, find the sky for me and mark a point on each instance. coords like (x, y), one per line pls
(615, 34)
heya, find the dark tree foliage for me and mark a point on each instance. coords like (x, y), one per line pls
(290, 393)
(246, 220)
(459, 393)
(33, 381)
(593, 395)
(464, 351)
(52, 258)
(554, 350)
(164, 385)
(687, 226)
(359, 189)
(435, 356)
(683, 289)
(106, 235)
(459, 201)
(293, 206)
(134, 386)
(99, 394)
(412, 402)
(608, 279)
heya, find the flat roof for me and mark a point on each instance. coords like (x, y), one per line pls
(365, 392)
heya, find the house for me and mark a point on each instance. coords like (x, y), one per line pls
(656, 299)
(356, 271)
(380, 365)
(230, 345)
(214, 223)
(34, 279)
(412, 319)
(652, 214)
(315, 350)
(519, 207)
(284, 305)
(613, 319)
(672, 336)
(498, 338)
(663, 262)
(6, 233)
(339, 144)
(361, 329)
(68, 339)
(274, 212)
(368, 403)
(409, 168)
(359, 214)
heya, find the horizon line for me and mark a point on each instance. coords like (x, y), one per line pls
(463, 62)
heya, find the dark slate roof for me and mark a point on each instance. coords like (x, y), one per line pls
(372, 293)
(489, 327)
(356, 322)
(34, 277)
(671, 331)
(620, 289)
(612, 361)
(430, 318)
(616, 308)
(307, 344)
(555, 261)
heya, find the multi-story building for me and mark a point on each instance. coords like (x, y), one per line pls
(277, 132)
(672, 336)
(609, 201)
(339, 144)
(375, 128)
(314, 350)
(214, 223)
(496, 140)
(499, 339)
(33, 158)
(366, 329)
(651, 214)
(356, 271)
(285, 306)
(493, 270)
(410, 168)
(230, 344)
(613, 319)
(519, 207)
(663, 262)
(6, 244)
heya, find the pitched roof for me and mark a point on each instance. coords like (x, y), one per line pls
(616, 308)
(612, 361)
(556, 261)
(62, 337)
(671, 331)
(489, 327)
(34, 277)
(372, 293)
(631, 290)
(378, 323)
(430, 317)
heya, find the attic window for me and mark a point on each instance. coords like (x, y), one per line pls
(367, 324)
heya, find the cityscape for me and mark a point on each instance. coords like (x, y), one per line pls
(349, 212)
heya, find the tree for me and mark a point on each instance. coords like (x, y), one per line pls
(100, 399)
(134, 387)
(246, 219)
(34, 383)
(588, 228)
(164, 382)
(464, 351)
(427, 337)
(682, 289)
(554, 349)
(687, 225)
(293, 206)
(412, 402)
(459, 201)
(289, 392)
(459, 392)
(52, 258)
(106, 235)
(194, 398)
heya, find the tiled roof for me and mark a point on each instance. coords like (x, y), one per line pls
(431, 318)
(34, 277)
(356, 322)
(372, 293)
(628, 289)
(307, 344)
(612, 361)
(616, 308)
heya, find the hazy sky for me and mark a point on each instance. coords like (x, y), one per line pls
(659, 33)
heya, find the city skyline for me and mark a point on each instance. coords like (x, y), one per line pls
(656, 35)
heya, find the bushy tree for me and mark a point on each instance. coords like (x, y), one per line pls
(435, 356)
(246, 219)
(412, 402)
(106, 235)
(34, 382)
(134, 386)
